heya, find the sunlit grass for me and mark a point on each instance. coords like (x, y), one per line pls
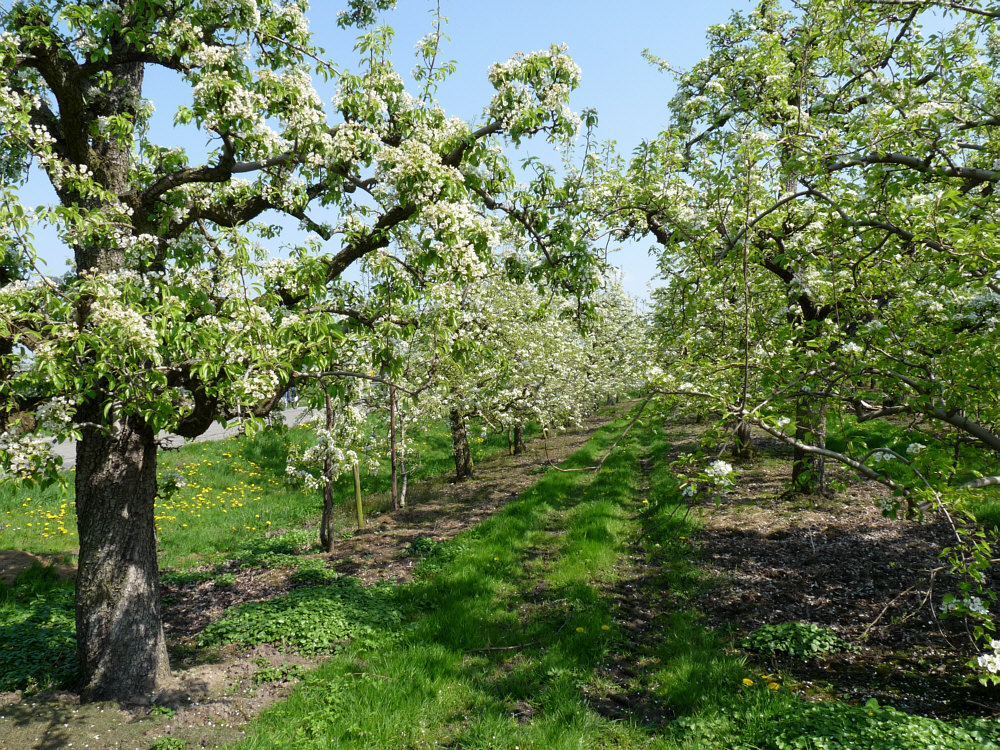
(231, 492)
(477, 650)
(38, 519)
(513, 624)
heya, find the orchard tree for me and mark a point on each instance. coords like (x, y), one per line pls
(739, 235)
(821, 199)
(528, 356)
(175, 314)
(786, 235)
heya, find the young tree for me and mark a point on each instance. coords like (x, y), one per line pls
(175, 315)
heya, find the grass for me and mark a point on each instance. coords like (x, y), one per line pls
(511, 631)
(481, 638)
(233, 502)
(37, 644)
(516, 634)
(234, 493)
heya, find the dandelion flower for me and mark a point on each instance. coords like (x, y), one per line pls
(773, 686)
(579, 630)
(747, 681)
(605, 627)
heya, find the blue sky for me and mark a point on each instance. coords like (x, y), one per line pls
(604, 38)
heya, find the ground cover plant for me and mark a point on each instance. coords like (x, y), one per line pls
(36, 631)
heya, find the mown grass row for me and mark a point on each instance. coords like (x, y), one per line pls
(507, 637)
(505, 618)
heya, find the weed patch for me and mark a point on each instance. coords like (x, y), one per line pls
(800, 640)
(279, 673)
(37, 632)
(316, 619)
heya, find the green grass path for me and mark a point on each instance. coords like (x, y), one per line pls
(514, 631)
(509, 623)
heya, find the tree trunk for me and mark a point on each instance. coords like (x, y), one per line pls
(742, 441)
(392, 447)
(460, 443)
(518, 440)
(120, 641)
(326, 527)
(809, 469)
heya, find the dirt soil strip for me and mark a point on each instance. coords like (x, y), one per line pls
(837, 561)
(207, 704)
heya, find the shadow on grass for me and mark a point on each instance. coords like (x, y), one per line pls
(37, 631)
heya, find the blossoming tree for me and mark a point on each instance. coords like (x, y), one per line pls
(175, 314)
(821, 199)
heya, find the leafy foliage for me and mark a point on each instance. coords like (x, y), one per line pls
(422, 546)
(312, 620)
(802, 640)
(169, 742)
(279, 673)
(835, 726)
(37, 632)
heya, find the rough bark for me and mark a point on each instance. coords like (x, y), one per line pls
(809, 469)
(742, 441)
(460, 444)
(120, 639)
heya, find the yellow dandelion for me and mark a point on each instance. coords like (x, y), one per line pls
(747, 681)
(605, 627)
(773, 686)
(580, 630)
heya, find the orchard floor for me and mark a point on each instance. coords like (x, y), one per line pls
(213, 695)
(837, 561)
(769, 558)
